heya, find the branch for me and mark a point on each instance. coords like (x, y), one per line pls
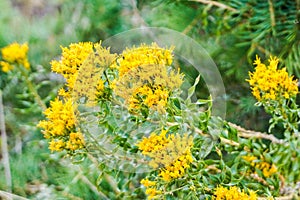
(230, 142)
(7, 195)
(4, 147)
(84, 179)
(272, 15)
(255, 134)
(218, 4)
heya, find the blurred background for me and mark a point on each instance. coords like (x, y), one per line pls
(232, 32)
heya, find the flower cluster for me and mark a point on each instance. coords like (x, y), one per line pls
(145, 79)
(151, 191)
(14, 53)
(78, 59)
(153, 143)
(82, 65)
(60, 126)
(71, 60)
(148, 96)
(143, 55)
(269, 83)
(171, 153)
(266, 168)
(233, 193)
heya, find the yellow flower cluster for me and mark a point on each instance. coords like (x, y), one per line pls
(151, 191)
(82, 65)
(71, 60)
(89, 83)
(266, 168)
(143, 55)
(172, 153)
(14, 53)
(145, 79)
(233, 193)
(152, 97)
(270, 83)
(60, 126)
(153, 143)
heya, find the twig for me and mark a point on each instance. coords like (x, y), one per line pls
(261, 180)
(213, 168)
(255, 134)
(93, 187)
(71, 196)
(241, 132)
(272, 15)
(289, 197)
(82, 177)
(230, 142)
(218, 4)
(5, 146)
(7, 195)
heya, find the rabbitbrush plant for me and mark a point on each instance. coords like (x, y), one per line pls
(126, 112)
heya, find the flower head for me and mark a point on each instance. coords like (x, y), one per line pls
(6, 67)
(145, 79)
(151, 191)
(60, 126)
(14, 53)
(269, 83)
(171, 152)
(71, 60)
(233, 193)
(143, 55)
(148, 86)
(82, 65)
(268, 169)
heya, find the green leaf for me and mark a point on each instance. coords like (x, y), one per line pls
(206, 147)
(191, 90)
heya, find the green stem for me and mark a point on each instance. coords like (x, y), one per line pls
(32, 89)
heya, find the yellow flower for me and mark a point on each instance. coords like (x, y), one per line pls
(153, 142)
(60, 118)
(154, 98)
(172, 153)
(266, 168)
(147, 85)
(76, 141)
(72, 58)
(60, 125)
(6, 67)
(148, 183)
(14, 53)
(152, 193)
(143, 55)
(270, 83)
(233, 193)
(82, 65)
(56, 145)
(249, 158)
(144, 77)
